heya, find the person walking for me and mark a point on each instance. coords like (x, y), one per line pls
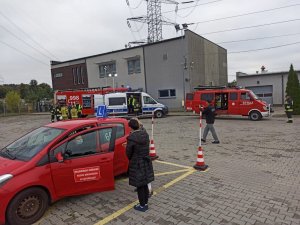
(140, 168)
(209, 113)
(288, 105)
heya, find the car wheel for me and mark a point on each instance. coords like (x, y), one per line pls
(255, 116)
(27, 207)
(159, 114)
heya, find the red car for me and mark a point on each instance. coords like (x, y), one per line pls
(60, 159)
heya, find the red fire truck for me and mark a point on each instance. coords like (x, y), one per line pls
(228, 101)
(84, 97)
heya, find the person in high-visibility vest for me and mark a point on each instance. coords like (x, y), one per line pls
(131, 104)
(74, 112)
(288, 105)
(79, 110)
(64, 112)
(218, 102)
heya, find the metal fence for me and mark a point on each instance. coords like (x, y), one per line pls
(23, 108)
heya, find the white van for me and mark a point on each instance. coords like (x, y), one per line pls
(117, 104)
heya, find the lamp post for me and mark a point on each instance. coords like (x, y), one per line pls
(183, 27)
(113, 77)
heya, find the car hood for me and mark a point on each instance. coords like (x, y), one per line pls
(8, 166)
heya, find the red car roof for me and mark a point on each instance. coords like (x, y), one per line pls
(70, 124)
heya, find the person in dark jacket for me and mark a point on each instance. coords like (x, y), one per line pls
(288, 105)
(210, 113)
(140, 169)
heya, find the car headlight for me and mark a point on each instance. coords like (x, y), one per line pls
(4, 178)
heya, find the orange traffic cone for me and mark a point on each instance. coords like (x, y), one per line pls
(152, 154)
(200, 165)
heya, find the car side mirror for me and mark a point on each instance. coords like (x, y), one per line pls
(59, 157)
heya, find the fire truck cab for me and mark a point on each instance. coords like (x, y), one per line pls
(228, 101)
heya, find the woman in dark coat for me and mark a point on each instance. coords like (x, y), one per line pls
(140, 165)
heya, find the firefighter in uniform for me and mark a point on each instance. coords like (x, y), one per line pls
(64, 112)
(74, 112)
(131, 104)
(58, 112)
(288, 105)
(79, 110)
(52, 111)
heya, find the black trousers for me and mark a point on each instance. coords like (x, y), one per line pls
(143, 194)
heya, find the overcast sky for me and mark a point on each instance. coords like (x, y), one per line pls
(33, 32)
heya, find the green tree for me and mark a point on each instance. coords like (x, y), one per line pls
(12, 100)
(293, 89)
(232, 83)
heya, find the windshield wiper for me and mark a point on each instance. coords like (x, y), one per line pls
(5, 152)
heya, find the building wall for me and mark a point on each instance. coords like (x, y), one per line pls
(277, 80)
(133, 80)
(164, 70)
(207, 63)
(66, 81)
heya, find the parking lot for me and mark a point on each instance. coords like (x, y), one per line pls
(253, 176)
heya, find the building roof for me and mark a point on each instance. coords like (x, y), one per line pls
(125, 49)
(241, 74)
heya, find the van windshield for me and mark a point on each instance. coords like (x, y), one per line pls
(31, 144)
(253, 95)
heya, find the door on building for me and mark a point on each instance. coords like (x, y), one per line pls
(265, 93)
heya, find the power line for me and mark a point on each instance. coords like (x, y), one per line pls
(138, 5)
(260, 25)
(4, 28)
(193, 6)
(193, 9)
(260, 49)
(27, 35)
(260, 38)
(25, 53)
(246, 14)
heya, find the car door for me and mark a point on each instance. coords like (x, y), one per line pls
(120, 158)
(79, 167)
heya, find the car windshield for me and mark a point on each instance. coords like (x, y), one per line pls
(253, 95)
(32, 143)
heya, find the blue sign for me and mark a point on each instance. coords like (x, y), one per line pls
(101, 111)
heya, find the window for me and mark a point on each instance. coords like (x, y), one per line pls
(245, 96)
(189, 96)
(81, 74)
(105, 136)
(134, 66)
(81, 145)
(120, 128)
(149, 100)
(107, 68)
(57, 75)
(78, 75)
(86, 102)
(207, 96)
(165, 56)
(117, 101)
(233, 96)
(74, 76)
(167, 93)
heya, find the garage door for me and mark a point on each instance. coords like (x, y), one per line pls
(263, 92)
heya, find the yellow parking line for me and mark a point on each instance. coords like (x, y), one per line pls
(130, 206)
(172, 172)
(173, 164)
